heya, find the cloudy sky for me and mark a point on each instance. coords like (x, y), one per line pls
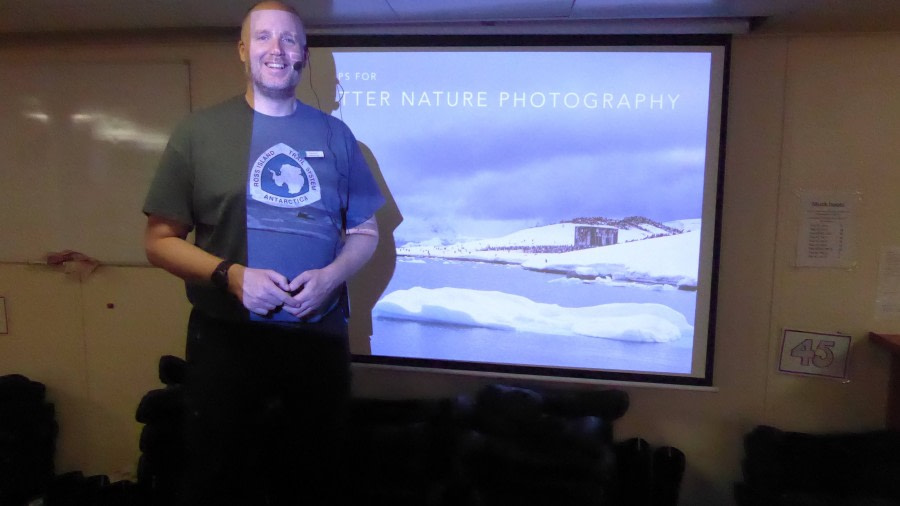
(479, 144)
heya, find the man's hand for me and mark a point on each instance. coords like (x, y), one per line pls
(260, 290)
(316, 287)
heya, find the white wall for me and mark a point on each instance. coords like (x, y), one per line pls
(816, 112)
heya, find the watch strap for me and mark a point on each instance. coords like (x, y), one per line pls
(219, 276)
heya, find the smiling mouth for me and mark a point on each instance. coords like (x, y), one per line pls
(277, 66)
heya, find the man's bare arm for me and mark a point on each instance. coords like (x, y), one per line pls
(166, 246)
(368, 227)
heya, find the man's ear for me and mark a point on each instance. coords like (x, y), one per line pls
(242, 51)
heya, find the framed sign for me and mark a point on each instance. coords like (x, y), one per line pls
(814, 353)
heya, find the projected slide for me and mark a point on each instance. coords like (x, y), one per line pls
(554, 203)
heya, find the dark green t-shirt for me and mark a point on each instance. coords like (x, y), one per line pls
(206, 177)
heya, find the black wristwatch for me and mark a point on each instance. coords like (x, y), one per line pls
(219, 276)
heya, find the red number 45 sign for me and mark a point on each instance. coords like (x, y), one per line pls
(814, 353)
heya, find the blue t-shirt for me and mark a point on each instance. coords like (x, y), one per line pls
(303, 170)
(264, 191)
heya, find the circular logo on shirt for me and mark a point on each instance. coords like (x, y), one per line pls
(281, 177)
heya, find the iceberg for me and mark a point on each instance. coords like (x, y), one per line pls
(636, 322)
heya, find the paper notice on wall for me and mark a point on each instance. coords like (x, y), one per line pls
(887, 301)
(827, 229)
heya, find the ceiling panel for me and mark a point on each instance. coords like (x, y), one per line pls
(339, 12)
(322, 15)
(86, 15)
(479, 10)
(624, 9)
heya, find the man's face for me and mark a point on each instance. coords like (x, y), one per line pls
(271, 41)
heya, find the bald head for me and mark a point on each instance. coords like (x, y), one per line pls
(269, 5)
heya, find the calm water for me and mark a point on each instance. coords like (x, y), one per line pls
(406, 338)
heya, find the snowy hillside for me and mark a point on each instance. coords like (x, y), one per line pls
(646, 252)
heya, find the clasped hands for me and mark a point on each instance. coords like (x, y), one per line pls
(264, 290)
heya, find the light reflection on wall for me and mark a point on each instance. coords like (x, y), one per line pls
(38, 116)
(109, 128)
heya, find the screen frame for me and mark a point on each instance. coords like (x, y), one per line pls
(519, 42)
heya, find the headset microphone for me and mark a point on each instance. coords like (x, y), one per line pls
(298, 65)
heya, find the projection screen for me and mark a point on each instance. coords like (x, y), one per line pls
(556, 200)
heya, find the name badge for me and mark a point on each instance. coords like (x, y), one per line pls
(315, 154)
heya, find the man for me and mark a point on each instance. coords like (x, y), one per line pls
(282, 204)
